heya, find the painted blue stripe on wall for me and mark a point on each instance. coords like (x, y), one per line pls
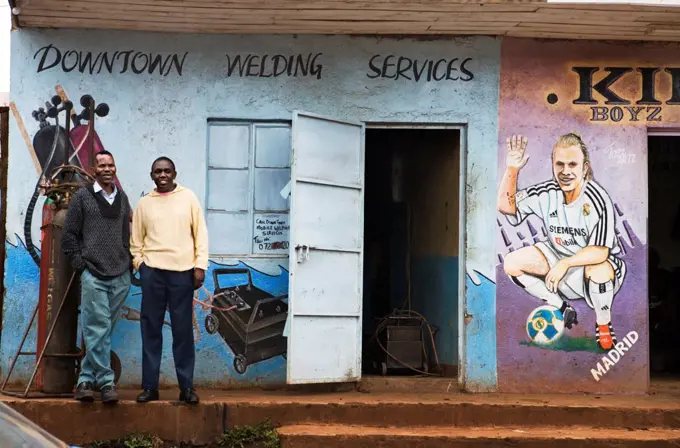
(434, 292)
(480, 365)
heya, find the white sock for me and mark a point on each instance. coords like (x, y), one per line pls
(536, 287)
(602, 296)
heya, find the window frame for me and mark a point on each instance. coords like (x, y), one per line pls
(252, 124)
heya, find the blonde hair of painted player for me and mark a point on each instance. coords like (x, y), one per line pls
(573, 139)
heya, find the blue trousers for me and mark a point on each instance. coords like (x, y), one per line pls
(101, 302)
(163, 290)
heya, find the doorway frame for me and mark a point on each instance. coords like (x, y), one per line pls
(652, 132)
(462, 129)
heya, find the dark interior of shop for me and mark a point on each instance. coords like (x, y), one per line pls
(411, 215)
(664, 254)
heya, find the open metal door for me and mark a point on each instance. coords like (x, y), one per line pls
(326, 250)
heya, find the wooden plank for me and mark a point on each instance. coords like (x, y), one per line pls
(266, 23)
(605, 7)
(622, 18)
(598, 37)
(283, 29)
(299, 5)
(348, 17)
(326, 28)
(268, 20)
(272, 15)
(78, 6)
(85, 6)
(24, 134)
(580, 30)
(640, 27)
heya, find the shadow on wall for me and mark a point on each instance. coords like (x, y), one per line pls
(239, 318)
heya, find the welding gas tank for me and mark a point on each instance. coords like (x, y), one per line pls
(42, 144)
(57, 373)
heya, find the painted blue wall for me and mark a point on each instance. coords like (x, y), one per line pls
(154, 114)
(435, 296)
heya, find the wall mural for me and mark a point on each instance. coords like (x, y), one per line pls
(223, 333)
(571, 274)
(207, 79)
(239, 313)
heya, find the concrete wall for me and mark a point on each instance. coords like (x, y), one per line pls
(611, 111)
(164, 108)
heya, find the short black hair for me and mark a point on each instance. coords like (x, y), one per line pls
(167, 159)
(103, 152)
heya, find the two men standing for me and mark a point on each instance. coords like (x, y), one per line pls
(168, 245)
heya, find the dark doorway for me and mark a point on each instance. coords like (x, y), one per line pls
(664, 254)
(411, 252)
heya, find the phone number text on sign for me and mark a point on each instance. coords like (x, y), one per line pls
(271, 234)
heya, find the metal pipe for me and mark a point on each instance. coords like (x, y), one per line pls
(91, 136)
(25, 395)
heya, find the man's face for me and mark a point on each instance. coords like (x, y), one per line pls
(568, 167)
(104, 169)
(163, 175)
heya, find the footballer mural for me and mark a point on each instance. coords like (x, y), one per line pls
(579, 258)
(571, 297)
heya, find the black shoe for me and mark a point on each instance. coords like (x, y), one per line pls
(569, 316)
(85, 392)
(188, 396)
(147, 395)
(109, 394)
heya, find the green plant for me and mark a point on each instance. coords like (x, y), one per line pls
(130, 441)
(241, 436)
(141, 441)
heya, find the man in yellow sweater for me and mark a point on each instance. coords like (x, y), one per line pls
(169, 245)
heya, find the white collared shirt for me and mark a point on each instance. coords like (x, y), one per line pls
(109, 197)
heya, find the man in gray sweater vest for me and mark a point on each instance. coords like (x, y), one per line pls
(96, 240)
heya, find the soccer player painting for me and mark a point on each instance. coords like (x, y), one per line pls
(580, 258)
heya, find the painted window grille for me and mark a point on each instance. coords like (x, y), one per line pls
(248, 167)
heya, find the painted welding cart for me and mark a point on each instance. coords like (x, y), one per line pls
(248, 319)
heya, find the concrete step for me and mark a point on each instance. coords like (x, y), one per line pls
(461, 411)
(408, 384)
(221, 410)
(346, 436)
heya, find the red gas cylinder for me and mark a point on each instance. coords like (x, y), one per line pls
(57, 372)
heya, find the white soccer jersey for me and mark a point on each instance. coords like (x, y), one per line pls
(588, 221)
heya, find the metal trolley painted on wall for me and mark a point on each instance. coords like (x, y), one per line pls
(249, 320)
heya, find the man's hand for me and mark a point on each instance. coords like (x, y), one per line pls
(555, 275)
(199, 277)
(516, 159)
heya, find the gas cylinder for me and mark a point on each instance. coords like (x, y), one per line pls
(58, 370)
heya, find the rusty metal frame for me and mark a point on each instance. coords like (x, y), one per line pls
(42, 355)
(4, 164)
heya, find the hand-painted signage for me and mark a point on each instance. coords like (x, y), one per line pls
(273, 66)
(647, 105)
(400, 67)
(119, 61)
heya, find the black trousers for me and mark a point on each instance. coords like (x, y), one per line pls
(162, 289)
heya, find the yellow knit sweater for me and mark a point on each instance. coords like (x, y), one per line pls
(169, 232)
